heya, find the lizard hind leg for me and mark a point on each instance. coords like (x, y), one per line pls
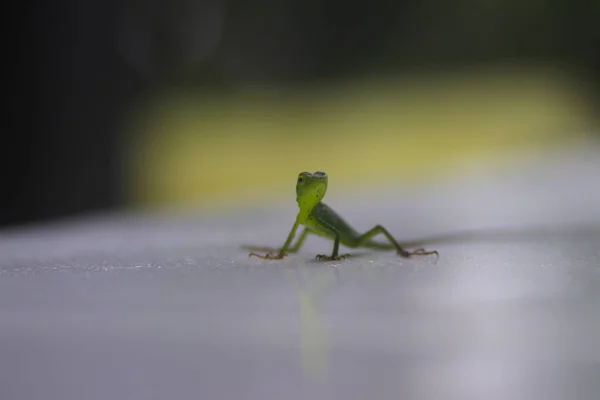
(378, 229)
(422, 252)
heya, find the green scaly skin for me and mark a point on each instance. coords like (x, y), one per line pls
(318, 218)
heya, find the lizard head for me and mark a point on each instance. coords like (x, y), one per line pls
(310, 188)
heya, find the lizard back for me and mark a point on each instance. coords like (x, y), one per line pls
(328, 222)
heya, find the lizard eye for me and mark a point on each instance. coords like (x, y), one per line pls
(300, 180)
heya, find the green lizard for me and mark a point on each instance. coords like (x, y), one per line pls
(320, 219)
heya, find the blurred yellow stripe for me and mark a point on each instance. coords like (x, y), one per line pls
(193, 149)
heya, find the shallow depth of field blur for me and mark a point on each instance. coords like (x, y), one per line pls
(411, 129)
(187, 104)
(212, 108)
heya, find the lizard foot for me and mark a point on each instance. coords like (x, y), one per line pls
(269, 256)
(418, 252)
(323, 257)
(259, 248)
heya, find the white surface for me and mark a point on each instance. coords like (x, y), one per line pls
(149, 307)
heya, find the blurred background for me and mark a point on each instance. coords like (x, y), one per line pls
(173, 104)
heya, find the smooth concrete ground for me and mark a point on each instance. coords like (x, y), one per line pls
(169, 307)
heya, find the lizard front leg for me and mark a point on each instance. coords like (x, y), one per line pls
(282, 252)
(294, 249)
(334, 255)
